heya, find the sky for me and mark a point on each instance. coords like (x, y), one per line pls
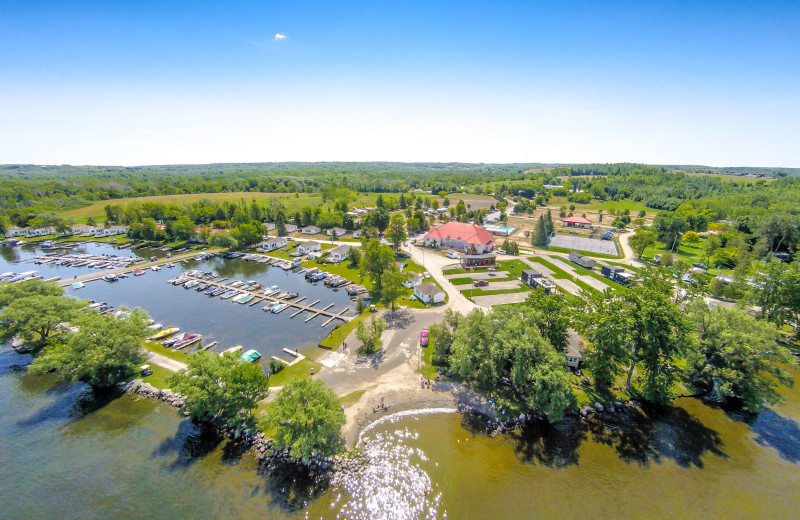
(132, 83)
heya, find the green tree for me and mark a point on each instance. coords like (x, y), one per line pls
(540, 236)
(34, 318)
(641, 240)
(225, 240)
(280, 225)
(397, 230)
(307, 419)
(691, 237)
(392, 285)
(247, 235)
(36, 287)
(369, 335)
(220, 388)
(104, 351)
(376, 258)
(550, 315)
(354, 256)
(183, 228)
(737, 356)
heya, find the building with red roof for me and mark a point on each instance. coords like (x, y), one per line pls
(576, 222)
(465, 237)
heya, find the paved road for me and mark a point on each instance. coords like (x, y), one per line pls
(433, 263)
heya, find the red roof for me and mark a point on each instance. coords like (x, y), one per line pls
(467, 233)
(576, 220)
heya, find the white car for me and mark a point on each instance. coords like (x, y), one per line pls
(426, 275)
(501, 252)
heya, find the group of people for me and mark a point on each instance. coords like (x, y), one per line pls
(425, 383)
(381, 407)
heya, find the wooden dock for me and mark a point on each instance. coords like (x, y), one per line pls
(295, 304)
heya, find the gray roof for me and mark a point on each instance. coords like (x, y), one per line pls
(428, 289)
(341, 250)
(575, 344)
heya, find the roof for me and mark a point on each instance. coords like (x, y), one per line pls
(341, 250)
(310, 227)
(575, 344)
(310, 243)
(531, 272)
(576, 220)
(428, 289)
(478, 257)
(275, 240)
(467, 233)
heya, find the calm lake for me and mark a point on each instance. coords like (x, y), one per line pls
(67, 454)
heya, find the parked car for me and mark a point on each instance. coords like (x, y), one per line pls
(480, 283)
(501, 252)
(426, 275)
(423, 338)
(372, 308)
(700, 265)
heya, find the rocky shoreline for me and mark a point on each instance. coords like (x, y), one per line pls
(263, 448)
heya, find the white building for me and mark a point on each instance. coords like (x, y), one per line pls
(273, 243)
(429, 294)
(338, 230)
(311, 230)
(308, 247)
(357, 233)
(339, 254)
(290, 228)
(269, 225)
(414, 279)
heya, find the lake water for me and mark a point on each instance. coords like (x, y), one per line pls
(65, 454)
(217, 320)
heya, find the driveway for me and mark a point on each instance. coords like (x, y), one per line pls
(500, 299)
(434, 263)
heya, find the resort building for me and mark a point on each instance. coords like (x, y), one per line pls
(311, 230)
(576, 222)
(465, 237)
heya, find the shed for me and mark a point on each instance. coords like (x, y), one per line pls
(575, 348)
(583, 261)
(429, 294)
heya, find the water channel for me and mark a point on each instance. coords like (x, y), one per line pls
(67, 454)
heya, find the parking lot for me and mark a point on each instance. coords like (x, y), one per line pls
(592, 245)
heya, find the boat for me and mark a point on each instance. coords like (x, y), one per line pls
(78, 285)
(155, 326)
(238, 297)
(190, 284)
(155, 268)
(169, 331)
(202, 287)
(138, 272)
(270, 291)
(279, 307)
(247, 298)
(187, 340)
(229, 294)
(291, 296)
(318, 276)
(47, 244)
(251, 356)
(172, 341)
(122, 275)
(110, 278)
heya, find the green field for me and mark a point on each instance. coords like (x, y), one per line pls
(606, 206)
(291, 201)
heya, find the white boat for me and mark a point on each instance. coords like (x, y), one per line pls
(78, 285)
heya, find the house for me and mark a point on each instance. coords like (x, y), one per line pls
(269, 225)
(14, 231)
(576, 222)
(113, 231)
(310, 230)
(478, 261)
(359, 211)
(338, 230)
(39, 232)
(429, 294)
(290, 228)
(338, 254)
(452, 253)
(468, 238)
(413, 280)
(357, 233)
(575, 349)
(492, 217)
(583, 261)
(273, 243)
(308, 247)
(80, 229)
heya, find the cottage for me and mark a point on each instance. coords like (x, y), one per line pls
(429, 294)
(14, 231)
(357, 233)
(290, 228)
(468, 238)
(311, 230)
(534, 279)
(273, 243)
(581, 260)
(339, 254)
(269, 225)
(114, 231)
(339, 231)
(308, 247)
(575, 349)
(576, 222)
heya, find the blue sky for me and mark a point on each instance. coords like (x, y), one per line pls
(114, 82)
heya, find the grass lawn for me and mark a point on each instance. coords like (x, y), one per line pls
(176, 355)
(607, 206)
(585, 253)
(461, 281)
(159, 376)
(351, 398)
(427, 370)
(300, 370)
(487, 292)
(560, 274)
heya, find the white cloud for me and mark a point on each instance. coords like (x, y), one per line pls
(278, 37)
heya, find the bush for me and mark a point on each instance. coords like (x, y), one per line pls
(439, 361)
(276, 366)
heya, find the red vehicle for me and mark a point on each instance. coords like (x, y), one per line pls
(423, 338)
(480, 283)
